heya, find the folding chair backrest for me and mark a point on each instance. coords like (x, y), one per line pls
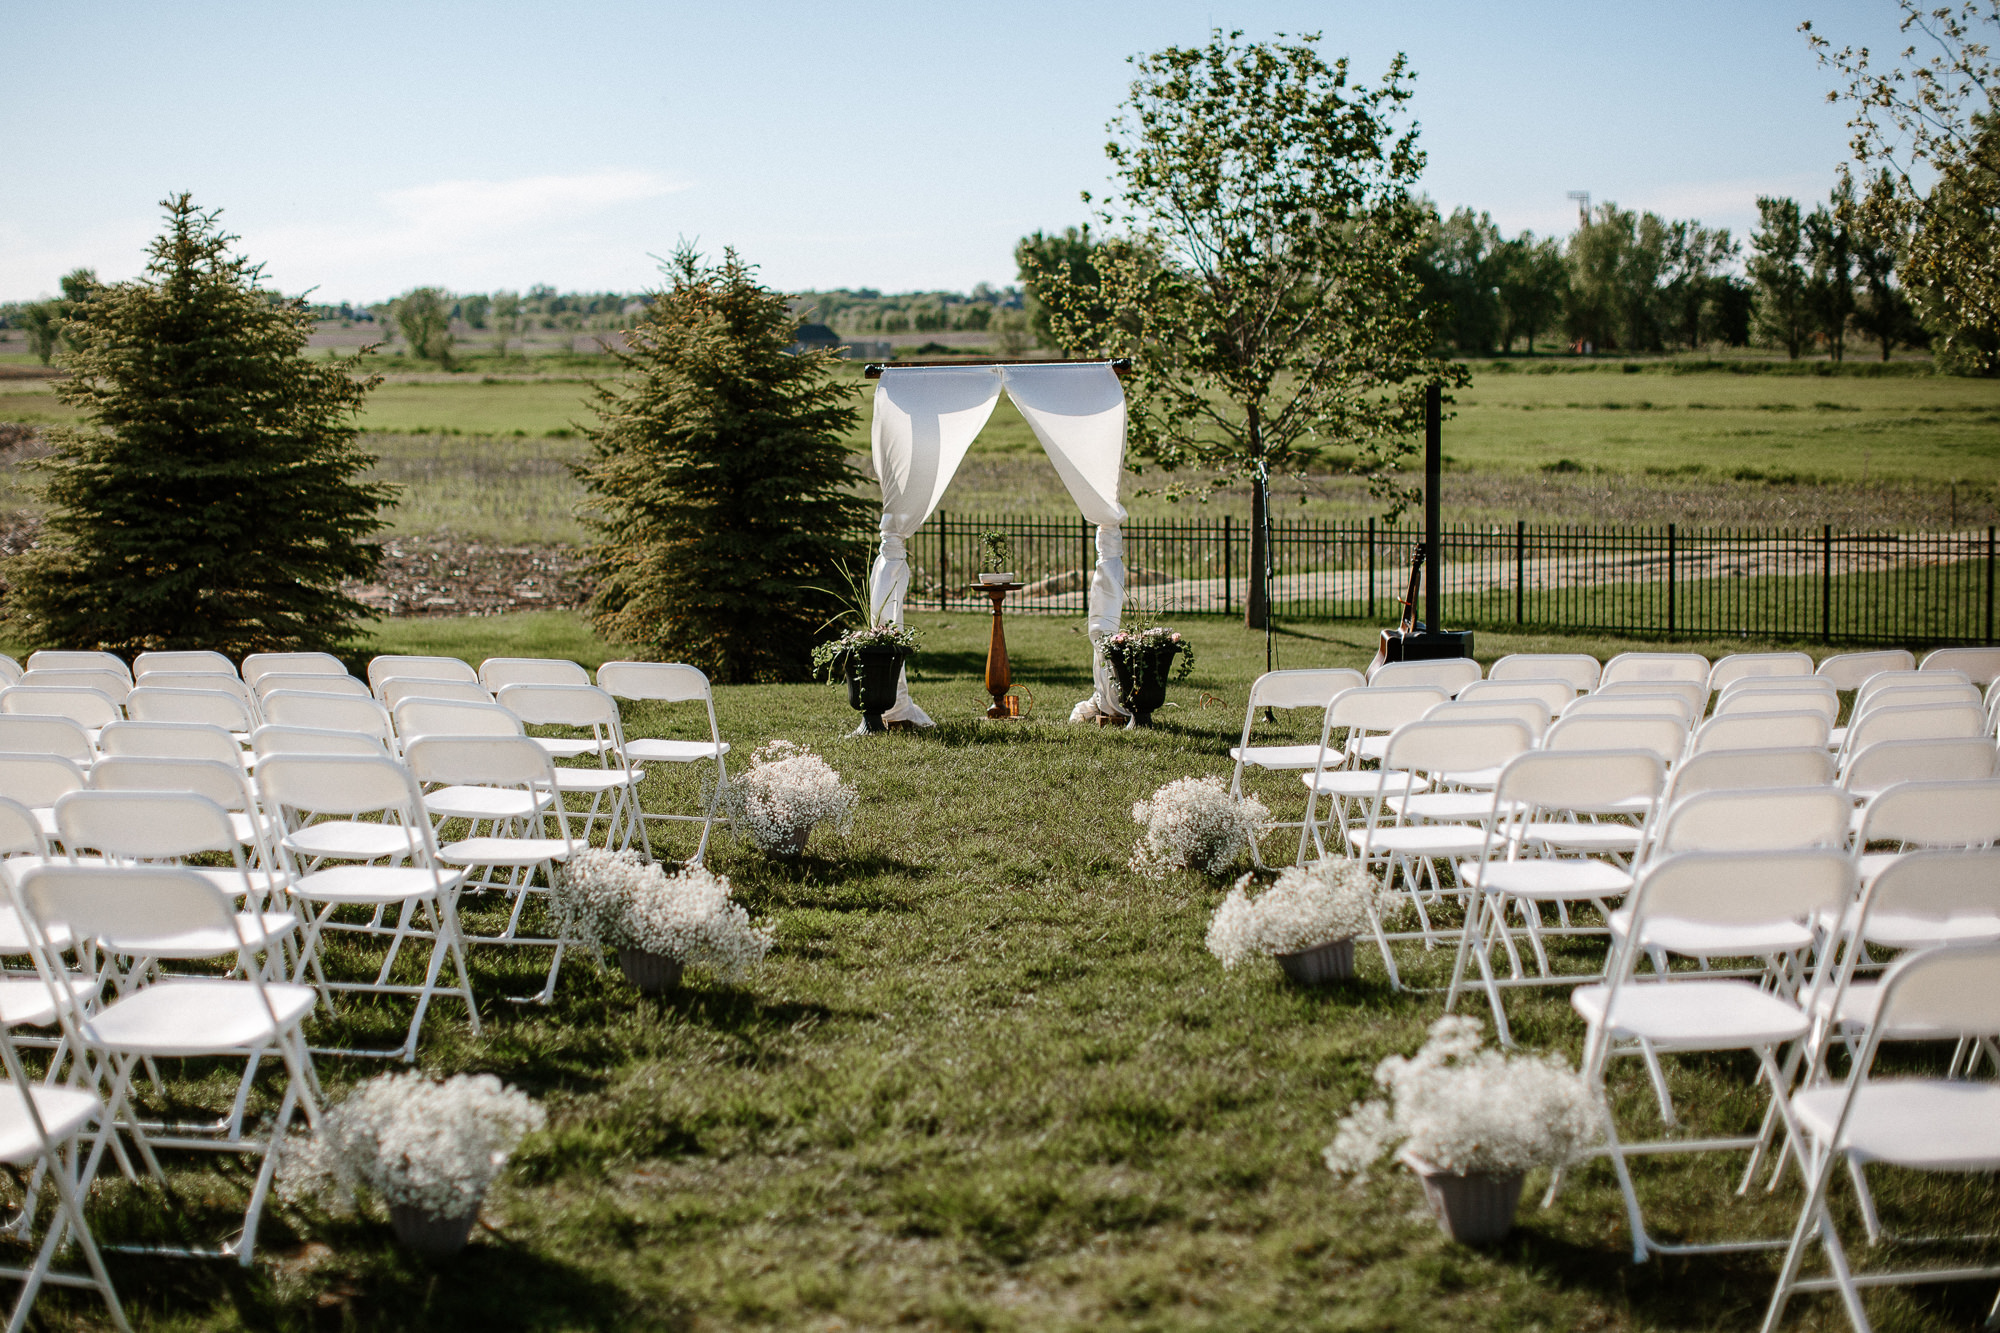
(1802, 684)
(270, 740)
(1774, 819)
(445, 717)
(494, 761)
(676, 682)
(225, 682)
(86, 708)
(1886, 680)
(300, 683)
(20, 831)
(1738, 666)
(143, 825)
(1693, 692)
(46, 735)
(495, 672)
(1762, 731)
(1933, 814)
(1633, 705)
(1382, 707)
(198, 660)
(424, 668)
(1313, 688)
(1920, 722)
(1914, 694)
(1751, 770)
(10, 670)
(340, 785)
(1579, 669)
(1629, 667)
(1553, 695)
(37, 780)
(1665, 737)
(210, 707)
(1825, 703)
(1952, 759)
(1743, 888)
(329, 712)
(560, 705)
(1980, 665)
(116, 684)
(60, 660)
(1427, 746)
(1950, 991)
(258, 665)
(1532, 713)
(223, 783)
(1938, 885)
(1450, 674)
(1848, 670)
(395, 689)
(1580, 780)
(126, 901)
(170, 740)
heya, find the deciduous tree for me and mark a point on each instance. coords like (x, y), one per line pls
(1780, 277)
(424, 316)
(1533, 283)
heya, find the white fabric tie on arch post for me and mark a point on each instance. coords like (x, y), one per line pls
(926, 418)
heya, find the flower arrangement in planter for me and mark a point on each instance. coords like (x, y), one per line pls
(786, 792)
(1142, 661)
(870, 660)
(426, 1149)
(659, 924)
(1307, 920)
(1194, 824)
(996, 555)
(1471, 1123)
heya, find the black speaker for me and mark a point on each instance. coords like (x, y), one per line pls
(1422, 645)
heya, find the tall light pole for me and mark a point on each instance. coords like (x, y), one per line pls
(1581, 198)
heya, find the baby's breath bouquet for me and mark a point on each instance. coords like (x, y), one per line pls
(612, 900)
(1306, 907)
(787, 791)
(1194, 824)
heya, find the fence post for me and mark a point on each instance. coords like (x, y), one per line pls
(1673, 544)
(1826, 584)
(1520, 567)
(1989, 583)
(944, 560)
(1228, 539)
(1371, 566)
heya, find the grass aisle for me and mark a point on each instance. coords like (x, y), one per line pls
(989, 1079)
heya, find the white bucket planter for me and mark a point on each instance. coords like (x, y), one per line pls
(1476, 1208)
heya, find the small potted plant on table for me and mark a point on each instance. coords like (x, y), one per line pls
(1142, 661)
(996, 555)
(1307, 920)
(658, 923)
(870, 660)
(1471, 1124)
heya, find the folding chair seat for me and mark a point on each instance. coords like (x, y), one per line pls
(1915, 1123)
(512, 767)
(294, 784)
(331, 712)
(1741, 666)
(89, 709)
(1580, 669)
(1367, 715)
(300, 683)
(258, 665)
(1534, 789)
(192, 660)
(395, 689)
(174, 1017)
(61, 660)
(1651, 667)
(1690, 1013)
(421, 668)
(1450, 674)
(114, 685)
(1554, 695)
(613, 788)
(1980, 665)
(1926, 814)
(1762, 731)
(1693, 692)
(207, 707)
(677, 683)
(1886, 763)
(1848, 670)
(495, 672)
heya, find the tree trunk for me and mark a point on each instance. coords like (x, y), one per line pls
(1256, 605)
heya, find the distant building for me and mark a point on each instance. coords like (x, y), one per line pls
(814, 338)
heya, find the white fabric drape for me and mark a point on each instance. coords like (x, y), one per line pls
(1078, 413)
(925, 420)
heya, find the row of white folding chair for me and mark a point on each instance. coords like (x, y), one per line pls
(1980, 665)
(1450, 674)
(1579, 670)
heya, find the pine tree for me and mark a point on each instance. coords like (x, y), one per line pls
(213, 497)
(719, 483)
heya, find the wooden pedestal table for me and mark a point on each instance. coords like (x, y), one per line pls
(999, 675)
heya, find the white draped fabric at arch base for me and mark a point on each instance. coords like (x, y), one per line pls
(925, 420)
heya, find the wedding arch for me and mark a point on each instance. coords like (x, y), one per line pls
(926, 417)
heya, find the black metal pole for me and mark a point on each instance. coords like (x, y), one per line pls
(1433, 470)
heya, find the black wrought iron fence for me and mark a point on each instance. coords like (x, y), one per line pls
(1933, 587)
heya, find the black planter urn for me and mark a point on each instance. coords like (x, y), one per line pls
(872, 676)
(1142, 685)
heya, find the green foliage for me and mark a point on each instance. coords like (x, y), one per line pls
(1829, 254)
(718, 481)
(213, 496)
(424, 315)
(1068, 255)
(1953, 268)
(42, 321)
(1531, 284)
(1780, 278)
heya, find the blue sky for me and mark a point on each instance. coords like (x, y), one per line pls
(361, 149)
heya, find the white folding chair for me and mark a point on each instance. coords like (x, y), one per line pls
(304, 683)
(10, 670)
(1694, 692)
(1762, 731)
(170, 740)
(1667, 1014)
(182, 1017)
(1580, 669)
(1889, 680)
(422, 668)
(1540, 788)
(89, 709)
(1919, 722)
(1553, 694)
(1665, 736)
(394, 689)
(1980, 665)
(1848, 670)
(1916, 1124)
(1285, 689)
(1741, 666)
(24, 734)
(270, 740)
(1367, 716)
(225, 681)
(1627, 668)
(331, 712)
(58, 660)
(1824, 702)
(1886, 763)
(1926, 814)
(195, 660)
(292, 785)
(1750, 770)
(1620, 704)
(1450, 674)
(258, 665)
(221, 781)
(207, 707)
(520, 844)
(114, 685)
(672, 683)
(613, 788)
(478, 802)
(1531, 713)
(38, 781)
(495, 672)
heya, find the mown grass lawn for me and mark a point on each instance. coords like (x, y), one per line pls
(988, 1079)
